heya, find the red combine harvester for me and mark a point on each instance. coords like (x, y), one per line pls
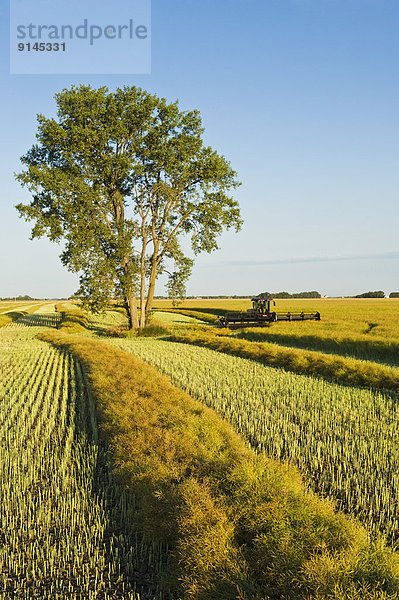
(261, 314)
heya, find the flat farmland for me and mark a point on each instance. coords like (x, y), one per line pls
(64, 525)
(14, 306)
(163, 469)
(350, 316)
(343, 438)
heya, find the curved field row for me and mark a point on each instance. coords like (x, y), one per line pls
(333, 367)
(58, 504)
(16, 306)
(39, 319)
(109, 318)
(344, 439)
(169, 318)
(22, 314)
(48, 307)
(381, 350)
(77, 320)
(239, 525)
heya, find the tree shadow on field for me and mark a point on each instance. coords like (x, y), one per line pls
(40, 320)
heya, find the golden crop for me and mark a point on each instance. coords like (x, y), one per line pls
(345, 439)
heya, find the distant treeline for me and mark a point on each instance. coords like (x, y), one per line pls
(26, 298)
(217, 297)
(312, 294)
(240, 297)
(376, 294)
(19, 298)
(282, 295)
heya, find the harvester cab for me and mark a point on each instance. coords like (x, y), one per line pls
(261, 306)
(262, 313)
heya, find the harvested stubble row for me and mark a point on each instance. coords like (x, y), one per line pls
(346, 370)
(344, 439)
(383, 350)
(15, 306)
(239, 525)
(108, 318)
(39, 320)
(22, 314)
(58, 502)
(75, 320)
(8, 318)
(197, 316)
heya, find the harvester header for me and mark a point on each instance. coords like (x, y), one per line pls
(261, 314)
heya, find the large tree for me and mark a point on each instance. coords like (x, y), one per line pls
(122, 177)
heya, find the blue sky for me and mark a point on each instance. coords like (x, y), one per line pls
(300, 95)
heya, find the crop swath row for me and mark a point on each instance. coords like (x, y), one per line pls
(58, 504)
(39, 319)
(374, 349)
(169, 318)
(109, 318)
(47, 307)
(19, 307)
(344, 438)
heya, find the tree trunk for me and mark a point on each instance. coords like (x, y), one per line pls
(130, 296)
(143, 312)
(132, 312)
(142, 308)
(151, 289)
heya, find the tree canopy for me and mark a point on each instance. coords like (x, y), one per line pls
(122, 177)
(284, 295)
(376, 294)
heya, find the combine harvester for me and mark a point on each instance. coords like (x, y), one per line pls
(260, 315)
